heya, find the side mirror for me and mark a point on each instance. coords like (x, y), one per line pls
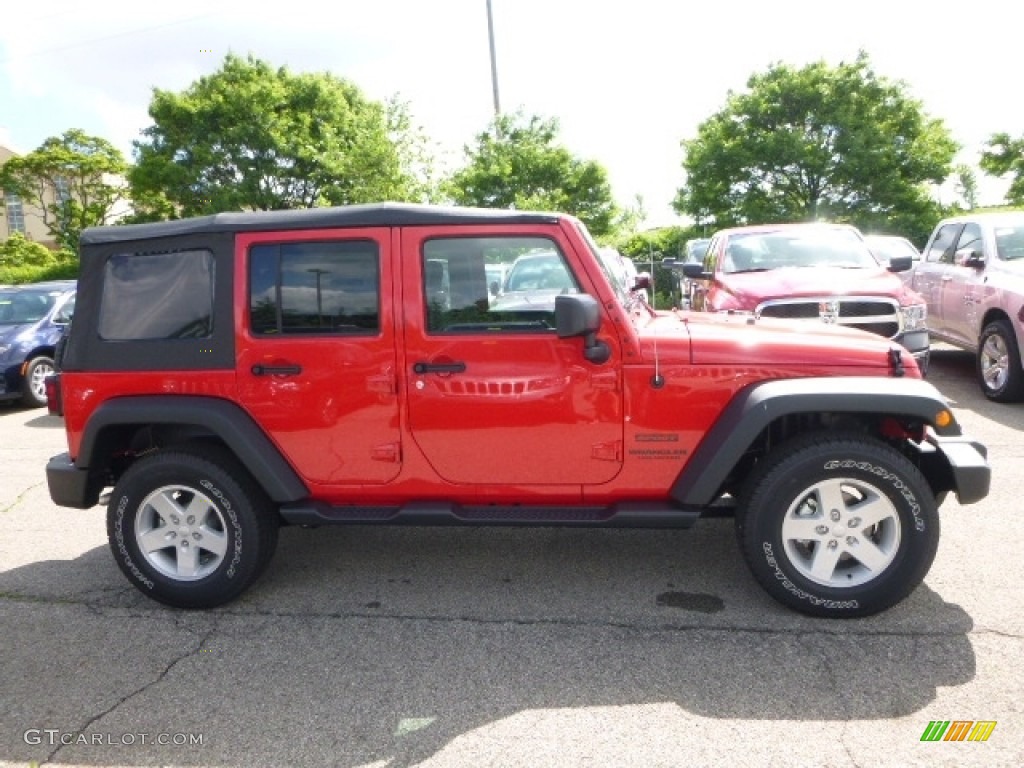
(577, 314)
(694, 271)
(494, 287)
(968, 257)
(901, 263)
(642, 282)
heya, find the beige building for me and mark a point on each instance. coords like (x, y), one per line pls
(19, 215)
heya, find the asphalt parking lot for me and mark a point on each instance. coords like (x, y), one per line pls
(496, 647)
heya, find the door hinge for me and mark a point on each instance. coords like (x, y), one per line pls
(607, 451)
(383, 383)
(387, 452)
(605, 380)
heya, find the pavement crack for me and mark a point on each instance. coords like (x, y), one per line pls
(18, 499)
(141, 689)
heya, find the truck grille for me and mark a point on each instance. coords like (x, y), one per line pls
(879, 316)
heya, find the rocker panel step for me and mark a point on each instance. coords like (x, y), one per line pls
(621, 515)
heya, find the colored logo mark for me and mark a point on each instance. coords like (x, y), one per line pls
(958, 730)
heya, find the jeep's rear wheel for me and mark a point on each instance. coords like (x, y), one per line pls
(999, 371)
(838, 526)
(33, 391)
(190, 528)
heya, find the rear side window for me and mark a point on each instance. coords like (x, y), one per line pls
(314, 288)
(157, 296)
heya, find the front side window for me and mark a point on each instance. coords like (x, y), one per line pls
(462, 294)
(150, 296)
(970, 239)
(314, 288)
(940, 250)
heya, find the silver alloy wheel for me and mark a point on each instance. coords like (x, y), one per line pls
(994, 360)
(37, 379)
(181, 533)
(841, 532)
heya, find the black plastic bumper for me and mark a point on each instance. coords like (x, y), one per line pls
(968, 462)
(70, 486)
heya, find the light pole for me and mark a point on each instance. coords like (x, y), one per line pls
(494, 62)
(319, 300)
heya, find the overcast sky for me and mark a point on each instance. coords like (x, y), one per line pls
(626, 80)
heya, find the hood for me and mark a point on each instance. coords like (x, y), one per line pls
(751, 288)
(701, 338)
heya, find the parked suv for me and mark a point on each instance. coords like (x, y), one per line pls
(229, 374)
(820, 272)
(972, 276)
(32, 319)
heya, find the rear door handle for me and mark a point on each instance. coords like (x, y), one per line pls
(422, 367)
(276, 370)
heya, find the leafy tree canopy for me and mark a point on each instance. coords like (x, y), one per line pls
(75, 180)
(249, 137)
(820, 142)
(518, 163)
(1004, 155)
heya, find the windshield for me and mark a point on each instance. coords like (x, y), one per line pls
(19, 307)
(609, 267)
(1010, 242)
(762, 251)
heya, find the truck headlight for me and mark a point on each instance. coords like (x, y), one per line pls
(915, 317)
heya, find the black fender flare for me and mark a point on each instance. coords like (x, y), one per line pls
(757, 406)
(209, 415)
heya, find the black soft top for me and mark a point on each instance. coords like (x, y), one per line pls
(369, 215)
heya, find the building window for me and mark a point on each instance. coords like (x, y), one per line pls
(61, 191)
(15, 213)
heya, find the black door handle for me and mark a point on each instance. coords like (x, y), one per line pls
(276, 370)
(422, 368)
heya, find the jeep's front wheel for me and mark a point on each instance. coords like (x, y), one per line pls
(838, 526)
(190, 529)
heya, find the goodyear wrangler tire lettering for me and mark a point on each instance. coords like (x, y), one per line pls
(838, 525)
(190, 527)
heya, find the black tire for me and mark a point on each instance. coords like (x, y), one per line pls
(203, 498)
(826, 487)
(33, 391)
(998, 363)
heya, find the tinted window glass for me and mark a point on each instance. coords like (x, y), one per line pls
(315, 288)
(157, 296)
(459, 297)
(970, 239)
(940, 249)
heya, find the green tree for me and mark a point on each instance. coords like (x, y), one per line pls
(966, 185)
(1005, 155)
(75, 180)
(249, 137)
(519, 163)
(820, 142)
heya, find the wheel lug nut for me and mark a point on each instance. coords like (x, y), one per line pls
(854, 522)
(834, 514)
(851, 540)
(191, 519)
(184, 543)
(833, 544)
(822, 529)
(175, 520)
(197, 536)
(172, 534)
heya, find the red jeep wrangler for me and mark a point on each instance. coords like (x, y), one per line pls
(233, 373)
